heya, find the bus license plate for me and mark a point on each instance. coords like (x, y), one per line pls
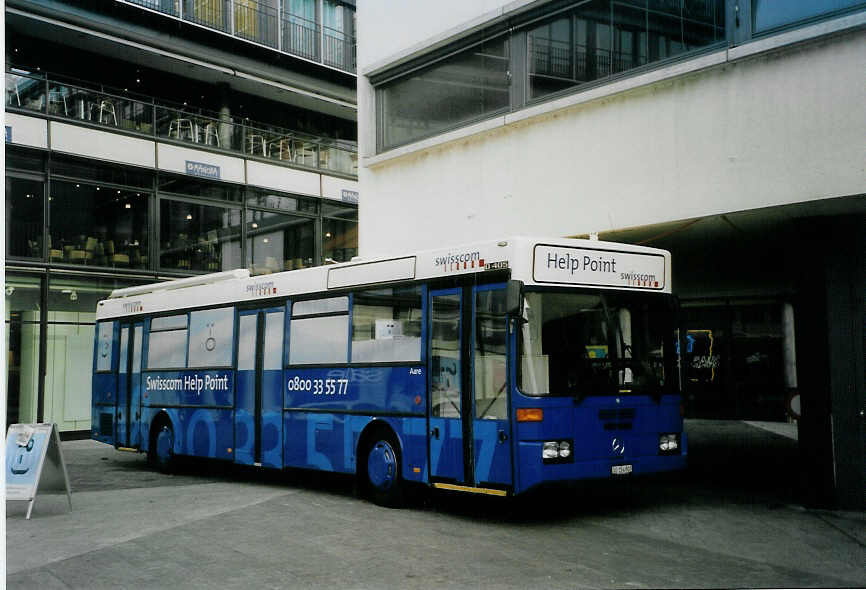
(620, 469)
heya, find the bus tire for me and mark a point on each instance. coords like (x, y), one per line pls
(381, 473)
(160, 453)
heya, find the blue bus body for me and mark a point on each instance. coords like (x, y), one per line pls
(279, 414)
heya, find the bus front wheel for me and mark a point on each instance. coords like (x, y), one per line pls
(382, 472)
(161, 450)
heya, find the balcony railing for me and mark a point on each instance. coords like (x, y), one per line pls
(260, 22)
(26, 92)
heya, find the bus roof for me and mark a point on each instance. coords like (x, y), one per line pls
(558, 262)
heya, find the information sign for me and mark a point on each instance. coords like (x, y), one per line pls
(34, 463)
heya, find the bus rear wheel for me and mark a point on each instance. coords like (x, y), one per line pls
(382, 472)
(161, 450)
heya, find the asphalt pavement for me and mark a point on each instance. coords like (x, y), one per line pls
(732, 520)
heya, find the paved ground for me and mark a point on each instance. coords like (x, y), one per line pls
(732, 520)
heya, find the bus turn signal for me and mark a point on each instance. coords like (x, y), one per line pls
(530, 414)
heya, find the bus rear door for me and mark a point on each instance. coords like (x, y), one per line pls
(127, 408)
(259, 388)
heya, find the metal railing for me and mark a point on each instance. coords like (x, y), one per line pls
(261, 22)
(208, 130)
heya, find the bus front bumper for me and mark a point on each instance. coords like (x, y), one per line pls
(534, 472)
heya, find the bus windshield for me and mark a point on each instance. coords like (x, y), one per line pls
(597, 343)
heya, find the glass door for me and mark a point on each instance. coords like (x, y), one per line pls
(128, 400)
(446, 386)
(491, 404)
(258, 396)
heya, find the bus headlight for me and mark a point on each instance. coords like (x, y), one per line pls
(669, 444)
(564, 449)
(550, 450)
(557, 451)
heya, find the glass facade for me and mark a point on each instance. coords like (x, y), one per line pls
(772, 14)
(98, 225)
(23, 335)
(339, 233)
(277, 242)
(25, 203)
(468, 85)
(600, 38)
(94, 218)
(195, 237)
(585, 42)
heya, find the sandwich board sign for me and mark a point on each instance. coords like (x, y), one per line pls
(34, 463)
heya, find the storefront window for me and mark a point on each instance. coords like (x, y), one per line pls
(96, 225)
(185, 185)
(278, 242)
(22, 347)
(199, 237)
(340, 240)
(271, 200)
(24, 217)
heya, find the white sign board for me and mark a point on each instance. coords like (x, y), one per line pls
(604, 268)
(34, 462)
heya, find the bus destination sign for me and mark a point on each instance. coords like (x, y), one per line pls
(586, 266)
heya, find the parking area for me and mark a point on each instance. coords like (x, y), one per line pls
(731, 520)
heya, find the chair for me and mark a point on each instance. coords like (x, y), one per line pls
(253, 141)
(211, 130)
(106, 109)
(120, 260)
(12, 85)
(58, 97)
(183, 126)
(284, 149)
(79, 256)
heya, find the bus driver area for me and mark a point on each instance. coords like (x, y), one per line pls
(494, 368)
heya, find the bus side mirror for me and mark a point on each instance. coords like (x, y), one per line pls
(514, 298)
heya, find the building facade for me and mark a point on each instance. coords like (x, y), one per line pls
(727, 131)
(151, 139)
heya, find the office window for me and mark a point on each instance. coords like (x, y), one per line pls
(601, 38)
(386, 325)
(321, 339)
(97, 225)
(199, 237)
(469, 85)
(771, 14)
(211, 335)
(24, 217)
(167, 343)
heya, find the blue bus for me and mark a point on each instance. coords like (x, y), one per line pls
(490, 368)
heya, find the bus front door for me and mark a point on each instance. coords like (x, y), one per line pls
(259, 388)
(469, 405)
(127, 409)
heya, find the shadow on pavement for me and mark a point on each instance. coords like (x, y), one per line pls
(729, 462)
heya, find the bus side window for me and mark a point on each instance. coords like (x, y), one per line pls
(386, 325)
(211, 333)
(323, 337)
(104, 346)
(166, 347)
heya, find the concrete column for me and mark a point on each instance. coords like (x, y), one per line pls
(226, 129)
